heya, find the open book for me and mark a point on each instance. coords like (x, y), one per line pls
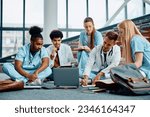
(106, 81)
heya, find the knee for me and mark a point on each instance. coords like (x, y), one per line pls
(48, 71)
(6, 66)
(84, 53)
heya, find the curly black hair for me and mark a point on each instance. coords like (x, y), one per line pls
(35, 32)
(56, 34)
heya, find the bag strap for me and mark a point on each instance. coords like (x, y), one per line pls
(135, 80)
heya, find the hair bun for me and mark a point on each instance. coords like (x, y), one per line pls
(35, 30)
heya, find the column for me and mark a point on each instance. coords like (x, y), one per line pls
(50, 18)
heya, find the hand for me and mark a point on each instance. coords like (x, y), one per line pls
(80, 48)
(84, 81)
(54, 49)
(32, 77)
(98, 76)
(36, 73)
(86, 48)
(95, 79)
(52, 55)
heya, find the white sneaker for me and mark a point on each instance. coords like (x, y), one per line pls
(36, 82)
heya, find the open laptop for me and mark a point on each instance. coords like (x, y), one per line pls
(66, 77)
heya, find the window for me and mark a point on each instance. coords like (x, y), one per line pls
(76, 13)
(12, 13)
(135, 8)
(113, 8)
(12, 40)
(97, 10)
(27, 37)
(147, 8)
(120, 17)
(61, 13)
(34, 13)
(71, 34)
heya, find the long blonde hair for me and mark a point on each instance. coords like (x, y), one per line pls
(129, 30)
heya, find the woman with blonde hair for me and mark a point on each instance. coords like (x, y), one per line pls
(136, 49)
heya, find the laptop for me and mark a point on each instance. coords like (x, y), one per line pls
(66, 77)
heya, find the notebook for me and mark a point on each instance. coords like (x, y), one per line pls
(66, 77)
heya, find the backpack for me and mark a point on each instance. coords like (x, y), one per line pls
(129, 80)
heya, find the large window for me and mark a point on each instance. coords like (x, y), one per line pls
(17, 17)
(12, 13)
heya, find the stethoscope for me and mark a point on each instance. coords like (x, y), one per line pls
(104, 60)
(30, 57)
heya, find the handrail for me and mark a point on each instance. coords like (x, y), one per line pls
(137, 21)
(10, 58)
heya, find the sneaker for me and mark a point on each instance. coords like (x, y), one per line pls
(33, 85)
(36, 82)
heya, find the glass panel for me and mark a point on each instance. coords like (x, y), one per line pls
(34, 13)
(97, 10)
(147, 9)
(12, 40)
(76, 13)
(133, 10)
(64, 35)
(120, 17)
(72, 34)
(12, 13)
(27, 37)
(61, 14)
(113, 8)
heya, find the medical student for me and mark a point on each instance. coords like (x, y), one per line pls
(101, 59)
(89, 38)
(136, 49)
(31, 62)
(60, 54)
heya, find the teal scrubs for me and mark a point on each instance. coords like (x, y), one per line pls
(139, 44)
(29, 64)
(83, 55)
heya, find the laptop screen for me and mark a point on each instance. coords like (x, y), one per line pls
(66, 76)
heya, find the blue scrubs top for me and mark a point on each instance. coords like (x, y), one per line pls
(30, 62)
(138, 44)
(83, 39)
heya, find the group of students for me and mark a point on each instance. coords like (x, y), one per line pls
(96, 54)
